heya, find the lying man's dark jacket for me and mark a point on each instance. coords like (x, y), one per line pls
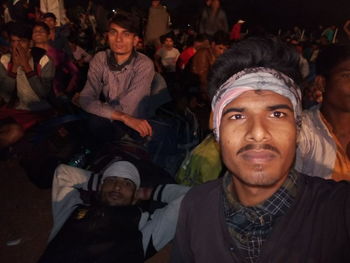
(98, 234)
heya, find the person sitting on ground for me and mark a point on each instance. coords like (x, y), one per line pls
(66, 72)
(166, 57)
(118, 85)
(201, 40)
(26, 81)
(112, 227)
(261, 210)
(324, 141)
(205, 57)
(58, 34)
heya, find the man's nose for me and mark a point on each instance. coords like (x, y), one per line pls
(117, 185)
(257, 130)
(119, 37)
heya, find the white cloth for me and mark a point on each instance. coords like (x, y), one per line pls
(159, 226)
(168, 58)
(56, 7)
(316, 152)
(123, 169)
(80, 53)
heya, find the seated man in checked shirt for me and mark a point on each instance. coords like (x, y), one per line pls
(118, 85)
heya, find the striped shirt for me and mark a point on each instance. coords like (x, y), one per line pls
(124, 88)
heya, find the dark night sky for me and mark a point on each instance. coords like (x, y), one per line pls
(274, 14)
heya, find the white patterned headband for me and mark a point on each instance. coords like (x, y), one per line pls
(255, 79)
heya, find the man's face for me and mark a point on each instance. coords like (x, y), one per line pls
(120, 40)
(117, 191)
(215, 3)
(197, 45)
(40, 35)
(155, 3)
(23, 42)
(218, 49)
(337, 87)
(168, 43)
(258, 138)
(51, 22)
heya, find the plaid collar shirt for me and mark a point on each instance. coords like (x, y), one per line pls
(249, 227)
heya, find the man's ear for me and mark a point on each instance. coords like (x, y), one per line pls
(320, 83)
(211, 125)
(136, 40)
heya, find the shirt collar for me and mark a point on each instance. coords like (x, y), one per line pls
(274, 206)
(114, 66)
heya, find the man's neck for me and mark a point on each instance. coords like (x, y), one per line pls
(340, 123)
(42, 45)
(120, 59)
(339, 120)
(52, 33)
(254, 195)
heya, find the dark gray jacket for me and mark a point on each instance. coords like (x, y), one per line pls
(315, 229)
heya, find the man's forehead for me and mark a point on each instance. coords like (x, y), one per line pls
(342, 66)
(270, 102)
(14, 37)
(115, 178)
(261, 92)
(118, 28)
(48, 19)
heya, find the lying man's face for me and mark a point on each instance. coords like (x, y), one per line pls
(117, 191)
(258, 138)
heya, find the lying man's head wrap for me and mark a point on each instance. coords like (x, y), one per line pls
(255, 79)
(123, 169)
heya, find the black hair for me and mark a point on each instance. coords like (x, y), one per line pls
(221, 38)
(49, 15)
(129, 22)
(43, 25)
(330, 57)
(20, 30)
(73, 38)
(255, 52)
(201, 38)
(162, 38)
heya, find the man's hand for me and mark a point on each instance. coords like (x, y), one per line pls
(21, 58)
(75, 99)
(139, 125)
(15, 60)
(144, 193)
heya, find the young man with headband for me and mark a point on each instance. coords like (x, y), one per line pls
(261, 210)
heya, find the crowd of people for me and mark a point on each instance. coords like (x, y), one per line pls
(242, 135)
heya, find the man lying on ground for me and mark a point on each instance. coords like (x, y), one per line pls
(111, 227)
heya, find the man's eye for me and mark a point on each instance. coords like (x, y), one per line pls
(128, 184)
(237, 117)
(278, 114)
(126, 34)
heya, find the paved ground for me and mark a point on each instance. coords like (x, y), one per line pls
(25, 215)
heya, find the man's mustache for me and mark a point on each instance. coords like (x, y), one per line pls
(258, 147)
